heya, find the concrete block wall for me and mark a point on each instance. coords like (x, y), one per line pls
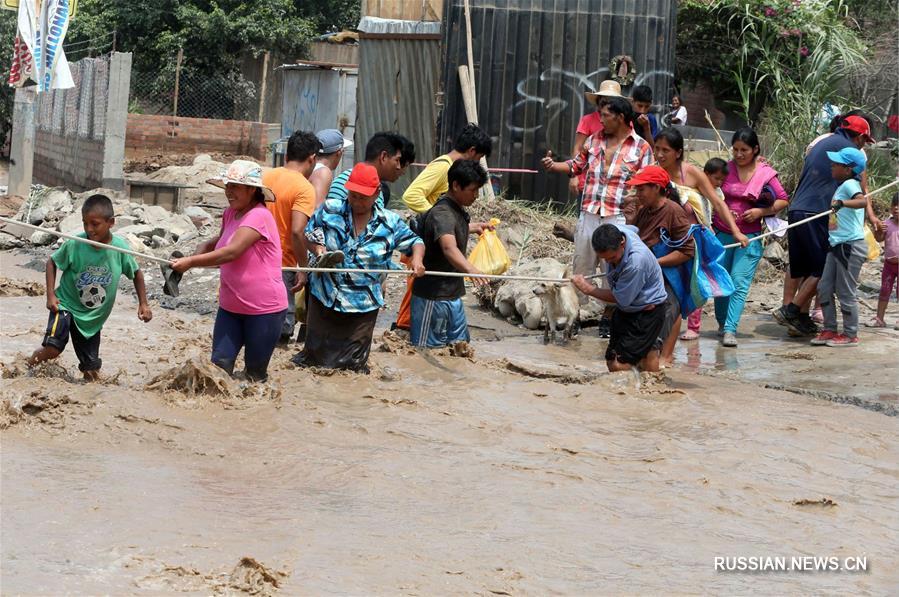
(80, 132)
(73, 162)
(147, 133)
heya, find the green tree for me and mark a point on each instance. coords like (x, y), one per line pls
(331, 15)
(7, 37)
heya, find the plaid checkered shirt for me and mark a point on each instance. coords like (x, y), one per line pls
(604, 190)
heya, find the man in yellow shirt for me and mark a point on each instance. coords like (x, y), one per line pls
(473, 143)
(293, 206)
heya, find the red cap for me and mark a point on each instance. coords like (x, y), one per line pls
(650, 175)
(859, 125)
(364, 180)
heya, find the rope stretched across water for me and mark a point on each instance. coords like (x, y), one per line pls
(808, 219)
(389, 272)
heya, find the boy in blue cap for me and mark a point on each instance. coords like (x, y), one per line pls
(848, 250)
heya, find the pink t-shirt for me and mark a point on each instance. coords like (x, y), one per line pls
(589, 124)
(252, 284)
(891, 241)
(739, 200)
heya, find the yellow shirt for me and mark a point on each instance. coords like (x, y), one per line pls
(428, 186)
(292, 193)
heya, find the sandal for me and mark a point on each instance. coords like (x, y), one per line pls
(875, 322)
(688, 335)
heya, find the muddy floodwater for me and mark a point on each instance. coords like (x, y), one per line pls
(523, 469)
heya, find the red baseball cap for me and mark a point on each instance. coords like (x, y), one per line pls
(363, 180)
(858, 125)
(650, 175)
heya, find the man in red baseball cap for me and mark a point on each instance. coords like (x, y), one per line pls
(807, 244)
(343, 307)
(859, 125)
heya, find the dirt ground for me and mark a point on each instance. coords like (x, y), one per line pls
(517, 468)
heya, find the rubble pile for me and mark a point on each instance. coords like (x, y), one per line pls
(142, 226)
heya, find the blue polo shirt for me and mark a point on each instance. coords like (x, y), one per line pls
(637, 280)
(816, 185)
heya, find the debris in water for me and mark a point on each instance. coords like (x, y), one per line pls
(20, 368)
(254, 578)
(194, 377)
(824, 502)
(10, 287)
(198, 377)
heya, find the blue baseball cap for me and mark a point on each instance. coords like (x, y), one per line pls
(332, 140)
(849, 156)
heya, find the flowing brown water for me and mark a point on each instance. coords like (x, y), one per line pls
(433, 475)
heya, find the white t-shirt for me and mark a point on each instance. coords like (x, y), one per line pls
(679, 114)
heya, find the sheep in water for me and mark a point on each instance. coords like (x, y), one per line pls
(561, 308)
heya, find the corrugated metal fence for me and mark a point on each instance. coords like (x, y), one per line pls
(535, 58)
(399, 71)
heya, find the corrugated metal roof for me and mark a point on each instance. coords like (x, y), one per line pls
(533, 61)
(377, 25)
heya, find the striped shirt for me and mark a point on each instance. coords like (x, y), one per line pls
(338, 188)
(386, 232)
(604, 189)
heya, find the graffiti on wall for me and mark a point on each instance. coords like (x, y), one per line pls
(551, 108)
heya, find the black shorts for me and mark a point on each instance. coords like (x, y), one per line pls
(59, 327)
(807, 245)
(634, 335)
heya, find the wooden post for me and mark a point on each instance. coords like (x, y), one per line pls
(262, 87)
(469, 92)
(177, 80)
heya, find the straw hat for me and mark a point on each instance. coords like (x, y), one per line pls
(246, 173)
(608, 88)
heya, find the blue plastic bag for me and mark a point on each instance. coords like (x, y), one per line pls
(696, 281)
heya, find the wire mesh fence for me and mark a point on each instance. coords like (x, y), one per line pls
(189, 92)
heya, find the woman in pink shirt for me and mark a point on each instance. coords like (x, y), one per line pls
(252, 296)
(751, 192)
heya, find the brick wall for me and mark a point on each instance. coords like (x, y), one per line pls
(73, 162)
(148, 133)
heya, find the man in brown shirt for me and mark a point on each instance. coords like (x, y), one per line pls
(657, 207)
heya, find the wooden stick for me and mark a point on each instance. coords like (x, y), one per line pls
(487, 189)
(88, 241)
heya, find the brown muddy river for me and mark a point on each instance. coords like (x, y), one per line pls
(525, 470)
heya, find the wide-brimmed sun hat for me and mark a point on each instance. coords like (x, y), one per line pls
(608, 88)
(243, 172)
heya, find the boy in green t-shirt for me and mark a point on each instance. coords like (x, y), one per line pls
(87, 290)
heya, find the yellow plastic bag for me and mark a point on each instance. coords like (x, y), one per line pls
(489, 255)
(873, 245)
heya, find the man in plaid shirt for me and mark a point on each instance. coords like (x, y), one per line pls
(609, 158)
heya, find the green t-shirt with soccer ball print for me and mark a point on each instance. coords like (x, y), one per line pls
(90, 278)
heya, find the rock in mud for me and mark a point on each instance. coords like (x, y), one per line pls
(42, 238)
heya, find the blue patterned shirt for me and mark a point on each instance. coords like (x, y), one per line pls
(386, 232)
